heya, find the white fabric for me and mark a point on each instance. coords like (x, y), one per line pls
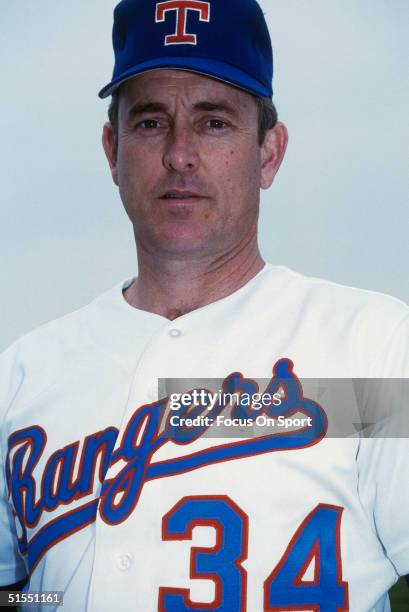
(92, 369)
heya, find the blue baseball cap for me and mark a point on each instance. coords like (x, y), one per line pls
(224, 39)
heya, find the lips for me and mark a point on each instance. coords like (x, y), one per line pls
(175, 194)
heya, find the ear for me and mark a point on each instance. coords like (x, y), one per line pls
(272, 153)
(110, 148)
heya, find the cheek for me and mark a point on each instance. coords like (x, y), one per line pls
(240, 171)
(136, 170)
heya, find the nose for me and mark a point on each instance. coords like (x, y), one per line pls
(181, 153)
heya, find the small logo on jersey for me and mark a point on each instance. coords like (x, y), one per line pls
(182, 8)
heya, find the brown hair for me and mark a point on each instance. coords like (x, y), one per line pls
(267, 115)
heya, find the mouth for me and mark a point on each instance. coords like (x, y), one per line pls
(186, 197)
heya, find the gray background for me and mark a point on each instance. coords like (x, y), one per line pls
(338, 208)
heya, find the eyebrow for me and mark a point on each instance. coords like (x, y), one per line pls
(218, 106)
(205, 106)
(146, 107)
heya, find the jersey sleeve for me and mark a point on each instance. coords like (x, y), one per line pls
(12, 565)
(383, 457)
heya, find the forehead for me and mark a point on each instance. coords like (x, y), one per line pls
(171, 86)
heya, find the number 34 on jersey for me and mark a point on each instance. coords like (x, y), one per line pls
(317, 541)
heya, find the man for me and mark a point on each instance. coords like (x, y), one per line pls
(106, 494)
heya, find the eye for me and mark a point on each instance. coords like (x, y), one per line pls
(216, 124)
(148, 124)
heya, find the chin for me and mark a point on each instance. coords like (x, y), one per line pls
(184, 245)
(182, 238)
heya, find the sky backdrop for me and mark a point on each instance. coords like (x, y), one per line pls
(338, 208)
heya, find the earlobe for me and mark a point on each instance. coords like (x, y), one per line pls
(110, 148)
(272, 154)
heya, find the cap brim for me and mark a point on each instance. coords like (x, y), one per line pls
(211, 68)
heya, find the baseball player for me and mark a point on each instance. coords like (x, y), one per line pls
(113, 492)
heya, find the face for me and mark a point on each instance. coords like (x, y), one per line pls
(188, 162)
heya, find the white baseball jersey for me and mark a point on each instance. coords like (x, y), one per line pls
(103, 500)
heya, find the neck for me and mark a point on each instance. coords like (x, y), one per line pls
(173, 287)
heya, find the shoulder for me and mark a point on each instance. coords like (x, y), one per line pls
(58, 335)
(39, 357)
(337, 300)
(366, 329)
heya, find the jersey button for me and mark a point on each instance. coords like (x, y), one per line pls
(175, 333)
(124, 562)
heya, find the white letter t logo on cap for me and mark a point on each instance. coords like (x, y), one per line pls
(181, 37)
